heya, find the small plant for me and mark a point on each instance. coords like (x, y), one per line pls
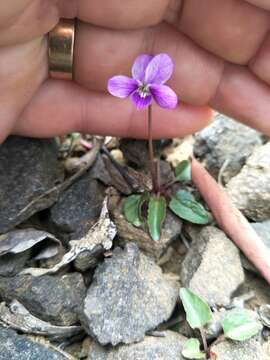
(237, 325)
(149, 74)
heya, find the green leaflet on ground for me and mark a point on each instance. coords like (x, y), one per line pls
(197, 310)
(184, 205)
(239, 325)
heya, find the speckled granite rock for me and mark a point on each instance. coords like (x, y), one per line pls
(250, 189)
(212, 267)
(225, 140)
(151, 348)
(129, 295)
(247, 350)
(52, 298)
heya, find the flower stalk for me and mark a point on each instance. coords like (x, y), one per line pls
(153, 169)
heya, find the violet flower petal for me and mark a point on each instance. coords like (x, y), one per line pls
(141, 102)
(122, 86)
(139, 66)
(164, 96)
(159, 70)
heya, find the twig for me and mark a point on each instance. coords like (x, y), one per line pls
(185, 241)
(120, 168)
(222, 170)
(156, 333)
(205, 345)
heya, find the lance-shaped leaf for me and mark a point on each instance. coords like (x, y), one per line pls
(184, 205)
(197, 310)
(191, 349)
(240, 325)
(131, 208)
(156, 216)
(183, 171)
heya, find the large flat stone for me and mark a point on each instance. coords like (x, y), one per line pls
(129, 296)
(212, 267)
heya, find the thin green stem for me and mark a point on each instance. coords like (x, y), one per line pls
(151, 152)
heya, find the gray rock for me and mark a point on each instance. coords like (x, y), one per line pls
(212, 267)
(256, 286)
(12, 264)
(225, 140)
(250, 189)
(28, 168)
(128, 296)
(151, 348)
(263, 230)
(77, 208)
(18, 347)
(247, 350)
(54, 299)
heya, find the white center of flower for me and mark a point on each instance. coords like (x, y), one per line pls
(143, 90)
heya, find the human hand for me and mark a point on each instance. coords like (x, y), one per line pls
(221, 51)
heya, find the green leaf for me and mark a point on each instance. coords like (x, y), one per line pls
(184, 195)
(184, 205)
(191, 350)
(197, 310)
(240, 325)
(131, 208)
(156, 216)
(183, 171)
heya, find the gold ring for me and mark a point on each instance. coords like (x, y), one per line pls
(61, 49)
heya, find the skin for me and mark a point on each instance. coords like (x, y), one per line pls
(221, 51)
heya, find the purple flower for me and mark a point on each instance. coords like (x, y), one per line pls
(149, 73)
